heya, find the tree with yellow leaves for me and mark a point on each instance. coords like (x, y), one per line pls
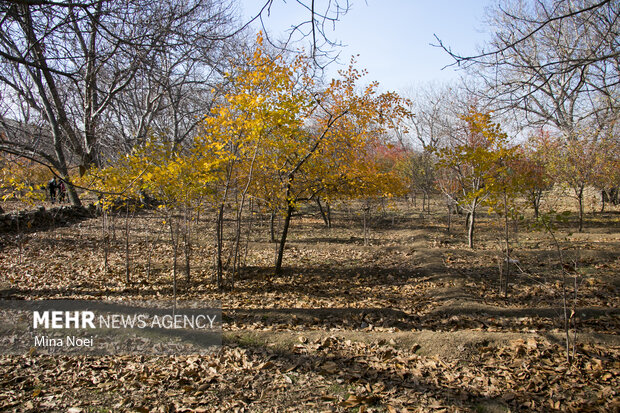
(476, 163)
(278, 136)
(22, 179)
(259, 118)
(340, 128)
(178, 178)
(285, 133)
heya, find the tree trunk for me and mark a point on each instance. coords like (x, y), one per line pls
(174, 238)
(105, 237)
(324, 214)
(237, 242)
(580, 199)
(365, 220)
(241, 205)
(287, 221)
(383, 209)
(113, 225)
(272, 225)
(73, 196)
(470, 228)
(536, 203)
(506, 235)
(249, 232)
(564, 295)
(127, 269)
(328, 210)
(219, 229)
(20, 239)
(187, 244)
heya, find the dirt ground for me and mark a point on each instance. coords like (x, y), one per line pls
(413, 321)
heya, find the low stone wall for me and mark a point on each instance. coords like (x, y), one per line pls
(41, 218)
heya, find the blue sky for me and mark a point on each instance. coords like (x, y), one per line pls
(393, 37)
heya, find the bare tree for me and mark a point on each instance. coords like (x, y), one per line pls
(538, 75)
(175, 90)
(601, 17)
(320, 16)
(65, 64)
(91, 75)
(557, 68)
(434, 124)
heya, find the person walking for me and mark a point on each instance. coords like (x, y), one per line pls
(52, 186)
(61, 192)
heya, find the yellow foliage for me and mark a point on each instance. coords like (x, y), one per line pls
(22, 179)
(277, 135)
(476, 168)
